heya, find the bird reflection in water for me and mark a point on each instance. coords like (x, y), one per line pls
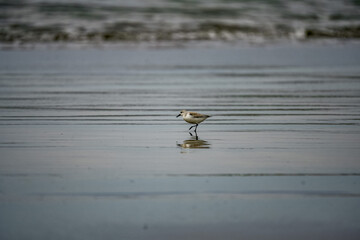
(194, 142)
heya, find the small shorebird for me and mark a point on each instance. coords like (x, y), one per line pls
(193, 118)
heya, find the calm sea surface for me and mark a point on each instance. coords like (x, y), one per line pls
(91, 147)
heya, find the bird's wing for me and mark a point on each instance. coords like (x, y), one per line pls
(198, 115)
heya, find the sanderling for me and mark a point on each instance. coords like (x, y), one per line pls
(193, 118)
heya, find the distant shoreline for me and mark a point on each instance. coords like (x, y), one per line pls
(173, 44)
(176, 23)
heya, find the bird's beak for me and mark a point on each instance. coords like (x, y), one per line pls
(178, 115)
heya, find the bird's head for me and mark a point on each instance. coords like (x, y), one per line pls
(182, 112)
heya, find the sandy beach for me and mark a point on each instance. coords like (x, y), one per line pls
(91, 147)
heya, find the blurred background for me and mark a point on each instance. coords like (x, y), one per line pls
(254, 21)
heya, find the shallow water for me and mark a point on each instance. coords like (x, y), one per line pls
(91, 147)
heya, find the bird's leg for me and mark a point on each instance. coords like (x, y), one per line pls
(191, 127)
(196, 127)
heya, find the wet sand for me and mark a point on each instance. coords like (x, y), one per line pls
(91, 149)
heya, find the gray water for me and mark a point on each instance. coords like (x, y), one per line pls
(91, 147)
(153, 21)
